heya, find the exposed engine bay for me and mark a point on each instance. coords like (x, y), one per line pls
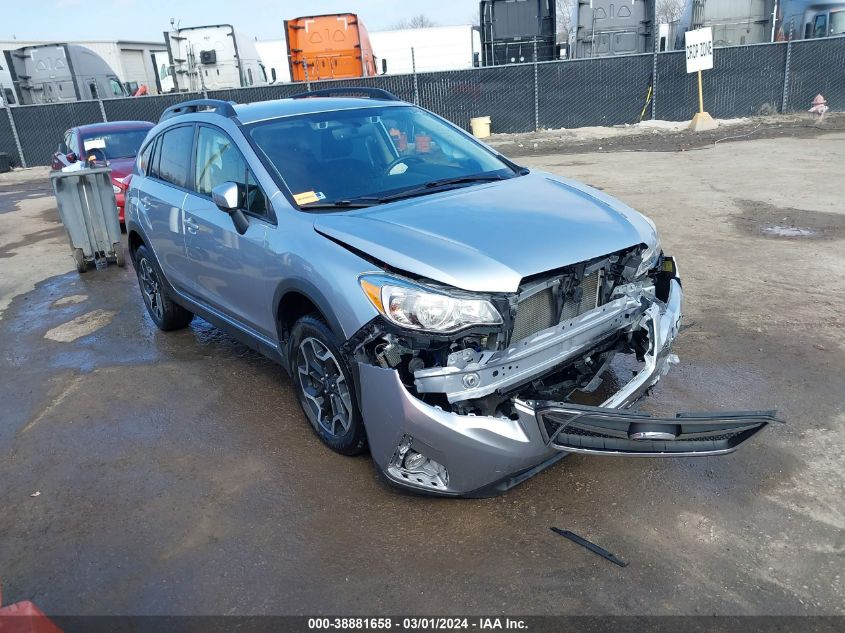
(559, 334)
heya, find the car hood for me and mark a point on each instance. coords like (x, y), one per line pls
(487, 238)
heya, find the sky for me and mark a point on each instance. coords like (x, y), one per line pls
(63, 20)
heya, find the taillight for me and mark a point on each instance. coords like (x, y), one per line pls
(120, 185)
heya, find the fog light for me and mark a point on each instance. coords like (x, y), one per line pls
(414, 460)
(471, 380)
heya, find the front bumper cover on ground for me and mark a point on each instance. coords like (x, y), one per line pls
(487, 454)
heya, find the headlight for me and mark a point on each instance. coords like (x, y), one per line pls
(116, 189)
(418, 308)
(650, 256)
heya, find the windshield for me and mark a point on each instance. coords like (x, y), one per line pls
(837, 22)
(370, 153)
(111, 145)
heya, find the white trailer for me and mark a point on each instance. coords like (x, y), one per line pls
(213, 57)
(274, 56)
(435, 48)
(131, 61)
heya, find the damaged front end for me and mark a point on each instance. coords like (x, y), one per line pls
(485, 406)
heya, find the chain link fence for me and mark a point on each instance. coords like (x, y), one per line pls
(7, 137)
(601, 91)
(40, 128)
(815, 67)
(745, 81)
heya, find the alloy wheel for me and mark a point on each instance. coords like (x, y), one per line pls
(324, 387)
(151, 289)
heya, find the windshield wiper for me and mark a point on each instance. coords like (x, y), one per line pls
(434, 184)
(357, 203)
(369, 201)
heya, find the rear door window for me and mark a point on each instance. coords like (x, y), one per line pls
(144, 157)
(153, 166)
(174, 162)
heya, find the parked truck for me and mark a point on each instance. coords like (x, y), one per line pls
(212, 57)
(50, 73)
(510, 30)
(809, 19)
(758, 21)
(605, 28)
(130, 60)
(733, 23)
(333, 46)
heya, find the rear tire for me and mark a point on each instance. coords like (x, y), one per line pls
(79, 260)
(165, 313)
(325, 386)
(119, 256)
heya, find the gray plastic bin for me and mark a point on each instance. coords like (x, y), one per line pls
(89, 212)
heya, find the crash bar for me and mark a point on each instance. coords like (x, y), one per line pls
(369, 93)
(218, 106)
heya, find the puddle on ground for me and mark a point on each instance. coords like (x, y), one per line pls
(767, 220)
(787, 231)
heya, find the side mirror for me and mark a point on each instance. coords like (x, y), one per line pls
(383, 66)
(273, 74)
(226, 196)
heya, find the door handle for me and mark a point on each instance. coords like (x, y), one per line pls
(191, 226)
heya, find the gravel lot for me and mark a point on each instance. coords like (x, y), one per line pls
(177, 475)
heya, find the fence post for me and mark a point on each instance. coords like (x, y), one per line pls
(102, 110)
(785, 100)
(15, 135)
(416, 82)
(536, 90)
(654, 87)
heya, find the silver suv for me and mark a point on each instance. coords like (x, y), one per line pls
(433, 301)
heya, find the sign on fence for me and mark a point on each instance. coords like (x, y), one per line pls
(699, 48)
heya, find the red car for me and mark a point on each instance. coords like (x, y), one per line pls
(112, 144)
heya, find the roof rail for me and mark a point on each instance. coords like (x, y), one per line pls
(369, 93)
(218, 106)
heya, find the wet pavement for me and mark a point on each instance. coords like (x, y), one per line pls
(177, 474)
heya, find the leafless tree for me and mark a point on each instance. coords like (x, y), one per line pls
(564, 18)
(420, 21)
(669, 11)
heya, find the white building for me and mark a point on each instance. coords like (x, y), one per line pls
(131, 61)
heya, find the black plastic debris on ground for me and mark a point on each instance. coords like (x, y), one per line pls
(590, 546)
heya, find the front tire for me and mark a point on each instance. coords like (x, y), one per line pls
(165, 313)
(324, 386)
